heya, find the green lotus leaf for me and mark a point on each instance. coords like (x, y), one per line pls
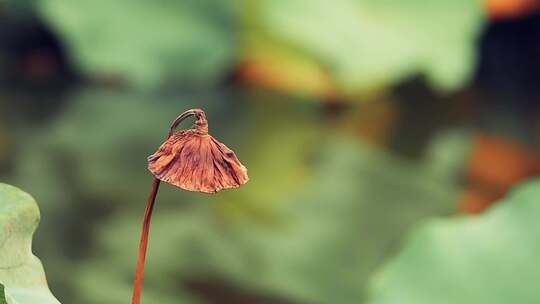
(21, 273)
(491, 258)
(371, 44)
(146, 43)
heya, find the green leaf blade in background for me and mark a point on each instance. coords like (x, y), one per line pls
(369, 45)
(2, 295)
(21, 272)
(338, 231)
(491, 258)
(146, 43)
(325, 240)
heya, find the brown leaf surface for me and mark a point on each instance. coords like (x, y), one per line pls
(196, 161)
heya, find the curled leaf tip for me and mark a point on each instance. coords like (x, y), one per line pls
(194, 160)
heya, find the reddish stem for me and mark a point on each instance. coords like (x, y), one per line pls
(139, 272)
(202, 125)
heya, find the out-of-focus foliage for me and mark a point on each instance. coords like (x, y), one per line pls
(325, 239)
(83, 163)
(448, 151)
(368, 45)
(339, 213)
(21, 274)
(507, 9)
(335, 185)
(495, 164)
(491, 258)
(281, 68)
(360, 46)
(68, 163)
(19, 9)
(2, 295)
(146, 43)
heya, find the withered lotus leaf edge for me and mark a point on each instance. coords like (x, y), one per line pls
(194, 160)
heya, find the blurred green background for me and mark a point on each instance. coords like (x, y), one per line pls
(376, 134)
